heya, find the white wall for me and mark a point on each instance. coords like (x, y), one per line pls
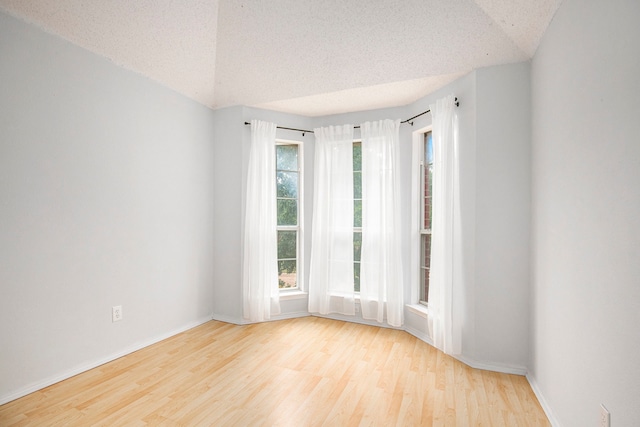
(228, 191)
(502, 214)
(106, 199)
(585, 343)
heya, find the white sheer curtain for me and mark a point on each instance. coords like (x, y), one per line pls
(259, 270)
(446, 245)
(381, 273)
(331, 270)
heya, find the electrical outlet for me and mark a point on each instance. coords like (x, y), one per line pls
(116, 313)
(605, 417)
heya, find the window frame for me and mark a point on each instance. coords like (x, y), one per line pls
(357, 229)
(424, 231)
(417, 154)
(299, 228)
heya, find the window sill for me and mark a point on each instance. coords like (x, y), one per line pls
(418, 309)
(288, 295)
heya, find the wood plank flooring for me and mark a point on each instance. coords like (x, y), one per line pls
(300, 372)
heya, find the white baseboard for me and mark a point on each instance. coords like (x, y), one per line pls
(355, 319)
(228, 319)
(30, 388)
(293, 315)
(543, 402)
(242, 321)
(420, 335)
(505, 369)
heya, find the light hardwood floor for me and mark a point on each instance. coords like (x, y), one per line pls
(301, 372)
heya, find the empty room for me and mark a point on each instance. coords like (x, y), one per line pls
(320, 213)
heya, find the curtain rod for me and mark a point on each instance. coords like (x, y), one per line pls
(409, 120)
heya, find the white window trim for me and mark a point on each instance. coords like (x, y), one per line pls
(299, 291)
(419, 309)
(291, 294)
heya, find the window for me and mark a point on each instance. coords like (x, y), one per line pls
(357, 213)
(289, 214)
(426, 185)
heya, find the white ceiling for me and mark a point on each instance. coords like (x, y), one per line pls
(301, 56)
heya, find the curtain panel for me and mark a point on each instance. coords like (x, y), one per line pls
(446, 273)
(331, 281)
(381, 272)
(260, 291)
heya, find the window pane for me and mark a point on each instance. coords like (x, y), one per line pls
(357, 156)
(357, 185)
(287, 274)
(424, 285)
(287, 212)
(356, 276)
(357, 245)
(425, 258)
(425, 264)
(427, 213)
(428, 149)
(427, 185)
(287, 157)
(287, 244)
(357, 213)
(287, 184)
(427, 191)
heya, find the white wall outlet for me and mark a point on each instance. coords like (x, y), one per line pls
(116, 313)
(605, 417)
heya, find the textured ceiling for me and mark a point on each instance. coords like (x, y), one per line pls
(307, 57)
